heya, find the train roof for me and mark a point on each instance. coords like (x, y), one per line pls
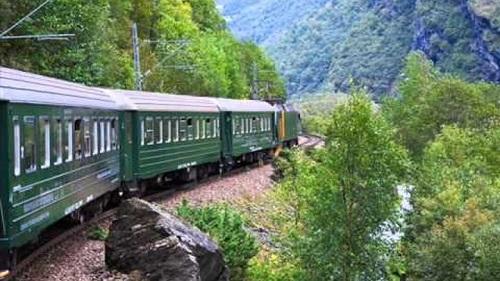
(22, 87)
(243, 105)
(148, 101)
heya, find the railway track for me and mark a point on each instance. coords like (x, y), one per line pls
(309, 142)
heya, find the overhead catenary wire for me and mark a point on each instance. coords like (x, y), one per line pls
(37, 37)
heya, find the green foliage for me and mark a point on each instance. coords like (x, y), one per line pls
(455, 226)
(321, 45)
(227, 227)
(344, 195)
(98, 233)
(101, 52)
(315, 110)
(430, 100)
(272, 267)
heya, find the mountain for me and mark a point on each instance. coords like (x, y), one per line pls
(266, 21)
(329, 45)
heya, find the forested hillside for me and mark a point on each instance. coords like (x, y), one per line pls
(340, 42)
(266, 21)
(212, 63)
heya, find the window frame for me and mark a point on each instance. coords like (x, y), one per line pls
(78, 139)
(108, 135)
(149, 130)
(183, 129)
(115, 123)
(87, 137)
(69, 140)
(175, 127)
(58, 143)
(168, 125)
(44, 140)
(16, 133)
(95, 137)
(32, 168)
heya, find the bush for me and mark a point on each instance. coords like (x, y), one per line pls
(227, 227)
(272, 267)
(98, 233)
(344, 194)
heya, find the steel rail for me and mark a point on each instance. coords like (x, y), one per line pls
(24, 264)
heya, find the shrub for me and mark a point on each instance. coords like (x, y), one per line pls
(227, 227)
(98, 233)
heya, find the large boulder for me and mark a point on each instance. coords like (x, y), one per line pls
(146, 238)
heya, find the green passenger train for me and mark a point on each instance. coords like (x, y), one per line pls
(66, 150)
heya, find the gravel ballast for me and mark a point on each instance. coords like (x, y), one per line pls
(82, 259)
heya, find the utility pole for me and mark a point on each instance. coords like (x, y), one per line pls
(178, 45)
(137, 58)
(255, 81)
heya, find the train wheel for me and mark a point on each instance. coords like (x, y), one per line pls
(81, 218)
(8, 261)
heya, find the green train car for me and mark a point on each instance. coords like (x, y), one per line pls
(66, 150)
(247, 128)
(167, 137)
(59, 151)
(291, 124)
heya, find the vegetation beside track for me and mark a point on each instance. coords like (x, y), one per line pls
(445, 229)
(185, 44)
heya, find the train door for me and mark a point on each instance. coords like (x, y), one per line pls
(5, 128)
(227, 134)
(126, 146)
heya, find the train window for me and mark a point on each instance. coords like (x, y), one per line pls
(234, 122)
(197, 129)
(237, 126)
(218, 127)
(29, 153)
(190, 129)
(149, 131)
(159, 130)
(168, 130)
(58, 142)
(114, 134)
(203, 129)
(44, 144)
(175, 130)
(95, 135)
(17, 146)
(102, 129)
(208, 129)
(78, 139)
(108, 135)
(69, 141)
(214, 133)
(182, 129)
(87, 138)
(142, 132)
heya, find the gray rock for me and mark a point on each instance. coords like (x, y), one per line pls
(146, 238)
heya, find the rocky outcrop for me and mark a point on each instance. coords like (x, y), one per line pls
(149, 241)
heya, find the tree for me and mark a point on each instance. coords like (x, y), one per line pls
(213, 64)
(430, 100)
(347, 194)
(454, 231)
